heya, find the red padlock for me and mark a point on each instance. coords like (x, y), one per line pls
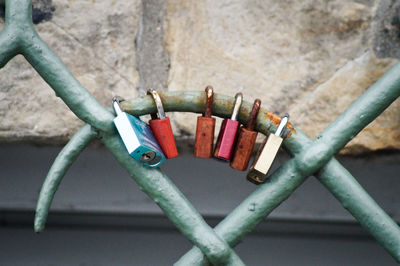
(161, 127)
(227, 134)
(203, 145)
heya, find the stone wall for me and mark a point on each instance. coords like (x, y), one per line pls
(309, 58)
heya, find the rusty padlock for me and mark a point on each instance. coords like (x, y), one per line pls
(246, 140)
(161, 127)
(228, 132)
(267, 153)
(203, 145)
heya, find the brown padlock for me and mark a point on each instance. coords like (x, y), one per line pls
(203, 145)
(246, 140)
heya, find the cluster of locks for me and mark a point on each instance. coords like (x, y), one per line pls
(154, 143)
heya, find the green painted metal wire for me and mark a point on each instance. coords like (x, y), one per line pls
(57, 171)
(175, 205)
(156, 184)
(8, 47)
(337, 179)
(20, 37)
(344, 187)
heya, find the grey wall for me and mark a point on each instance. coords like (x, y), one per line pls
(99, 217)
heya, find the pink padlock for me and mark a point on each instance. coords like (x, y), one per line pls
(228, 132)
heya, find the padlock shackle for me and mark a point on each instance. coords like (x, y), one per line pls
(158, 102)
(236, 107)
(282, 125)
(209, 101)
(253, 115)
(117, 107)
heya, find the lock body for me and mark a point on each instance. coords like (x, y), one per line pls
(226, 139)
(139, 140)
(162, 131)
(246, 140)
(203, 146)
(264, 159)
(228, 132)
(243, 149)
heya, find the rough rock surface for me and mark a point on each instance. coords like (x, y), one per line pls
(96, 40)
(309, 58)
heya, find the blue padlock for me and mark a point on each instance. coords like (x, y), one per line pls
(137, 137)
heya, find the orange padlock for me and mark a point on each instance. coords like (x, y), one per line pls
(161, 127)
(246, 140)
(203, 145)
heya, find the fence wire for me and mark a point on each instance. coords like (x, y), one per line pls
(210, 245)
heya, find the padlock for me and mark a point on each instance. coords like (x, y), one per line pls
(266, 154)
(137, 137)
(228, 132)
(203, 145)
(161, 127)
(246, 140)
